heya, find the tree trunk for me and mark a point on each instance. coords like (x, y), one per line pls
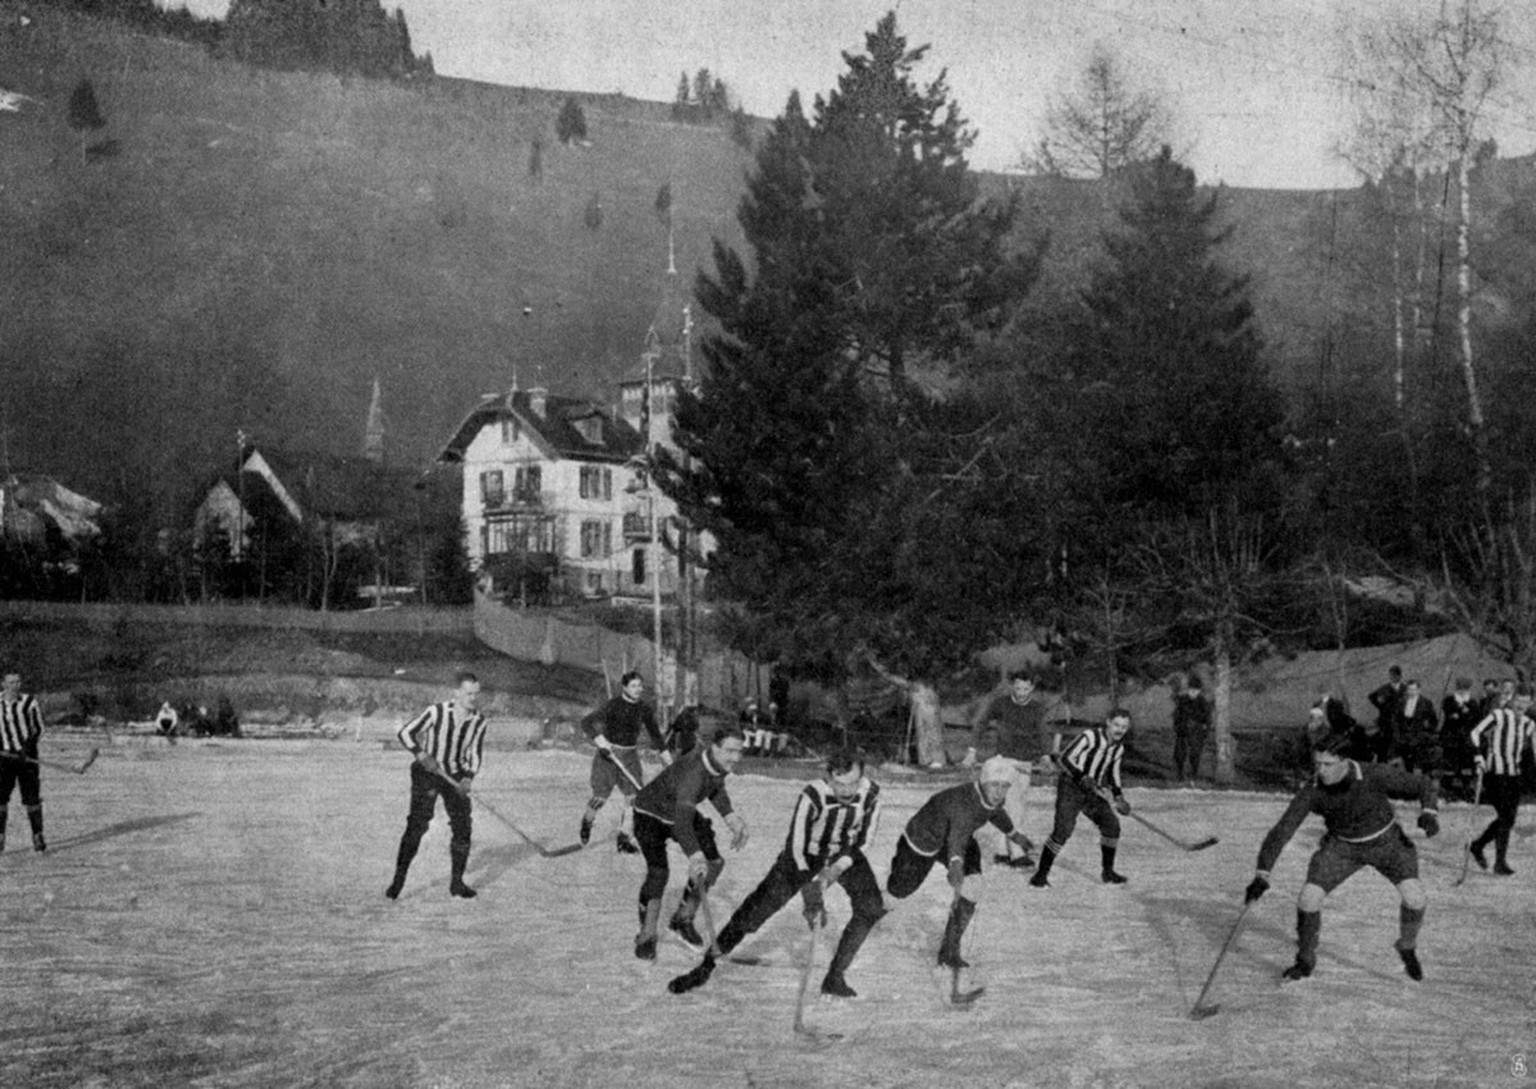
(1226, 757)
(928, 725)
(1475, 419)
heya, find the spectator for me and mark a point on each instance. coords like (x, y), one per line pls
(1191, 726)
(1418, 732)
(1459, 714)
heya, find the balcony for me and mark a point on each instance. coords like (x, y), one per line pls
(637, 527)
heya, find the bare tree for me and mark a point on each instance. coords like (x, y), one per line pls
(1103, 124)
(1423, 84)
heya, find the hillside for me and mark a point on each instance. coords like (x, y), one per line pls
(257, 246)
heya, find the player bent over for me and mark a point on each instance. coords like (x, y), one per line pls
(667, 809)
(943, 830)
(834, 818)
(1090, 783)
(1361, 830)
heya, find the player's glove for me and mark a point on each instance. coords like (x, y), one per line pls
(1429, 821)
(602, 742)
(429, 763)
(815, 905)
(1122, 805)
(738, 826)
(1256, 888)
(698, 867)
(465, 784)
(666, 758)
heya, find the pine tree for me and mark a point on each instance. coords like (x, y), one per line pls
(829, 495)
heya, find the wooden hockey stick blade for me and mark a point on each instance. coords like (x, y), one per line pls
(1200, 1013)
(1209, 841)
(557, 852)
(90, 758)
(957, 997)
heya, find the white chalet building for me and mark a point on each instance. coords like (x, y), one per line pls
(554, 498)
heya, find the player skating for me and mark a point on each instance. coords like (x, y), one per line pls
(1090, 783)
(831, 826)
(1499, 742)
(1361, 830)
(21, 728)
(446, 741)
(668, 809)
(943, 832)
(615, 729)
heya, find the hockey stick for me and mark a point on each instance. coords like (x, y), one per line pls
(620, 765)
(1208, 841)
(1466, 848)
(546, 852)
(801, 1028)
(90, 758)
(1200, 1011)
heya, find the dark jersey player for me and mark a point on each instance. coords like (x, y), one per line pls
(668, 809)
(942, 832)
(615, 729)
(1361, 830)
(829, 831)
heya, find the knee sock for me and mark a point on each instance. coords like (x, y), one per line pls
(1047, 859)
(35, 819)
(1309, 929)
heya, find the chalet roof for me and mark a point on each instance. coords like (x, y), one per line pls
(557, 428)
(41, 497)
(346, 488)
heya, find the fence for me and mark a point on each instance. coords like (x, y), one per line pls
(415, 619)
(725, 677)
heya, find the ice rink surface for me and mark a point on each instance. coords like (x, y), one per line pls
(212, 914)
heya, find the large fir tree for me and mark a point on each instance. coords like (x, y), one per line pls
(844, 500)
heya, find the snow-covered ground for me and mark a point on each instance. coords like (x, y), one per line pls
(213, 914)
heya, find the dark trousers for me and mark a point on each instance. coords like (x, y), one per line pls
(653, 835)
(426, 788)
(19, 773)
(1188, 745)
(909, 869)
(1503, 793)
(781, 884)
(1071, 800)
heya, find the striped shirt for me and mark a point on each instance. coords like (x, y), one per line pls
(825, 827)
(1500, 737)
(1095, 759)
(450, 735)
(21, 724)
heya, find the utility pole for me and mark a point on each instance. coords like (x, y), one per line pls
(653, 549)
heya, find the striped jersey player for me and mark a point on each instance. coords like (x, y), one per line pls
(1499, 741)
(446, 741)
(829, 832)
(1090, 783)
(21, 727)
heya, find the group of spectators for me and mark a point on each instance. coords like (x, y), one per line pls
(1408, 730)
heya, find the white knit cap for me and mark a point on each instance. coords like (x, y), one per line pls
(999, 769)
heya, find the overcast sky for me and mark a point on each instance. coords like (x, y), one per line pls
(1254, 83)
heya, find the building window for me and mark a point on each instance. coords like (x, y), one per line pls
(492, 492)
(511, 431)
(594, 581)
(596, 540)
(637, 568)
(596, 482)
(527, 483)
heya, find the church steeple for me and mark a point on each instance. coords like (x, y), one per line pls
(373, 435)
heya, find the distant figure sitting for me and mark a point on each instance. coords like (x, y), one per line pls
(756, 729)
(167, 720)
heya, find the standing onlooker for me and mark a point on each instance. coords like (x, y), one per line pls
(1010, 723)
(1459, 713)
(21, 727)
(1362, 830)
(615, 729)
(668, 809)
(1418, 732)
(831, 826)
(1499, 742)
(1388, 701)
(1090, 783)
(1492, 697)
(1191, 726)
(446, 740)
